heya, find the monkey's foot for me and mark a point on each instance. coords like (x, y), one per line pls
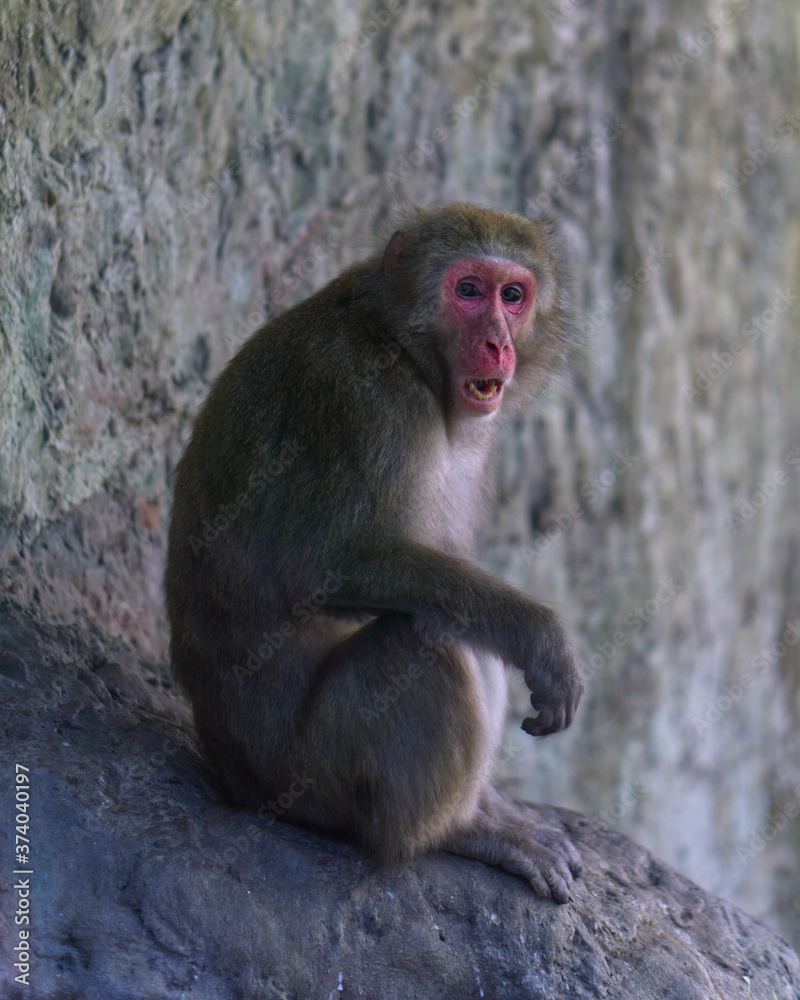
(501, 834)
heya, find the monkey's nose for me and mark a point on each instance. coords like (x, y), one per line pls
(498, 343)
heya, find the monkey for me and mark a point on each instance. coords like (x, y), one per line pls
(344, 656)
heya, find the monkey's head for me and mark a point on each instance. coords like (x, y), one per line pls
(489, 289)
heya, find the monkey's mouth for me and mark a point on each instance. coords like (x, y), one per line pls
(483, 393)
(484, 388)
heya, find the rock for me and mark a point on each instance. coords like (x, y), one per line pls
(174, 172)
(145, 883)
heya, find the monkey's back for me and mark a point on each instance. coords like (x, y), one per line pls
(297, 456)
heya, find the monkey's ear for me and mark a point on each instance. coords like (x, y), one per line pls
(393, 251)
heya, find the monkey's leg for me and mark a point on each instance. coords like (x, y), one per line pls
(403, 740)
(394, 732)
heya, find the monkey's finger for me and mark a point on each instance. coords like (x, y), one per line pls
(543, 714)
(546, 722)
(559, 718)
(532, 726)
(540, 727)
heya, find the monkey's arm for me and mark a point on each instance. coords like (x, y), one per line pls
(442, 592)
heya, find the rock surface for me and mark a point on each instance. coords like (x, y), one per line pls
(173, 171)
(146, 884)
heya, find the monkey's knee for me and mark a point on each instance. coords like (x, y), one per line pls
(406, 721)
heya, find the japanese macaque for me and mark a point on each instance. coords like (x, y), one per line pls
(344, 658)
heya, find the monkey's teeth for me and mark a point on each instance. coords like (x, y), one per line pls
(491, 390)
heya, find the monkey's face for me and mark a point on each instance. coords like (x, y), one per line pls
(486, 309)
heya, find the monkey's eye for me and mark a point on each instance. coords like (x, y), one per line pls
(467, 290)
(512, 293)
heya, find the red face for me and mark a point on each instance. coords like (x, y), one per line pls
(489, 301)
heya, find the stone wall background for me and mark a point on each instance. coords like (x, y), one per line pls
(172, 172)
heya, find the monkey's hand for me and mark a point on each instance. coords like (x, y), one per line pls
(554, 679)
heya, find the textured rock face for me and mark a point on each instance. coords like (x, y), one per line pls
(145, 884)
(172, 172)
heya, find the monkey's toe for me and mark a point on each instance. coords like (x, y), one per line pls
(546, 871)
(561, 846)
(546, 859)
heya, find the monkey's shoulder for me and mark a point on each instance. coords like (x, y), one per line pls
(331, 351)
(325, 380)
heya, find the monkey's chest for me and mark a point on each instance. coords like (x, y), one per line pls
(447, 499)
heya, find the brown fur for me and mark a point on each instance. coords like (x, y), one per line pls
(328, 465)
